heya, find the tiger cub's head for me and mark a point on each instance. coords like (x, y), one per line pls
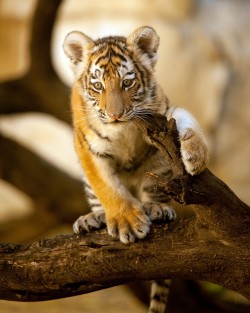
(114, 75)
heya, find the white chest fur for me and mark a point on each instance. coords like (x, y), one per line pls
(123, 141)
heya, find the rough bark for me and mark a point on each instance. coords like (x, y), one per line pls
(68, 266)
(213, 245)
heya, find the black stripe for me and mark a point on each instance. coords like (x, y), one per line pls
(85, 183)
(161, 298)
(110, 39)
(153, 92)
(99, 134)
(94, 205)
(82, 138)
(102, 57)
(144, 73)
(101, 155)
(124, 66)
(141, 74)
(118, 55)
(89, 195)
(132, 72)
(167, 107)
(116, 64)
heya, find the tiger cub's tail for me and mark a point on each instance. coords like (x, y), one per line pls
(159, 296)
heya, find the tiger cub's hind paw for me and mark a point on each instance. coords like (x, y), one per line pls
(159, 212)
(88, 222)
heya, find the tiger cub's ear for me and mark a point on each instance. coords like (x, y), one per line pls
(146, 39)
(74, 45)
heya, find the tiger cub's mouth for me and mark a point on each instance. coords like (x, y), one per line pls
(119, 120)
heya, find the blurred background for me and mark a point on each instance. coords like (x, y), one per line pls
(204, 66)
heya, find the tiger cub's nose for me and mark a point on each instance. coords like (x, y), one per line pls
(115, 116)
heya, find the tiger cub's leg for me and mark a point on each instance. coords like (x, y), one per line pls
(156, 204)
(194, 149)
(159, 296)
(94, 219)
(158, 207)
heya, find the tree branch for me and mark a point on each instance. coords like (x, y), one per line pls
(214, 246)
(72, 265)
(214, 202)
(48, 186)
(40, 89)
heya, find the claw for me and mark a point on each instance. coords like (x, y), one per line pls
(93, 220)
(159, 212)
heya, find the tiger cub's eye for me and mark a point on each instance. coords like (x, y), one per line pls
(127, 83)
(98, 86)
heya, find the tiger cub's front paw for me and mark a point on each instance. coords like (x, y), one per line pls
(194, 151)
(93, 220)
(128, 224)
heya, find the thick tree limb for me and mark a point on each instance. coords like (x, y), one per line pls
(48, 186)
(68, 266)
(58, 198)
(214, 246)
(40, 89)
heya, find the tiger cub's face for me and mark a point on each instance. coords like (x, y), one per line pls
(115, 74)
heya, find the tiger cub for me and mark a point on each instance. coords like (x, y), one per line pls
(115, 83)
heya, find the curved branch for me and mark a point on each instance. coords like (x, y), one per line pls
(47, 185)
(201, 248)
(40, 89)
(71, 265)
